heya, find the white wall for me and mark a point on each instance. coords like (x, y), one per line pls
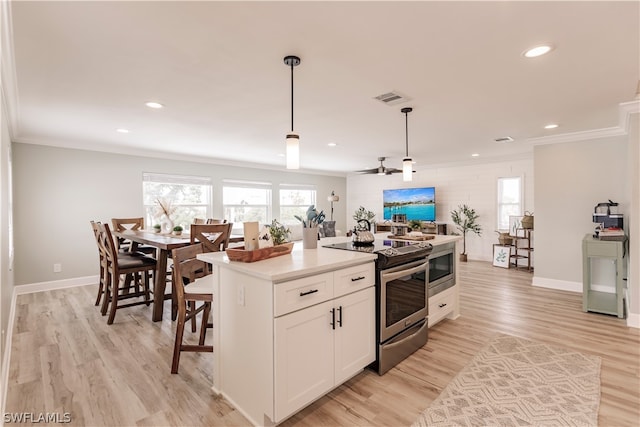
(633, 281)
(474, 184)
(57, 191)
(570, 180)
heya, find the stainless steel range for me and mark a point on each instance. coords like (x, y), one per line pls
(401, 297)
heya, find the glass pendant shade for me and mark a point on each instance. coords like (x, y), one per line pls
(293, 150)
(407, 169)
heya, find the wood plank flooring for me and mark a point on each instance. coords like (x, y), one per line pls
(65, 358)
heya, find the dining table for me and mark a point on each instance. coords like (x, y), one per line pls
(165, 243)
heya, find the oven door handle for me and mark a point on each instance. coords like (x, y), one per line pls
(387, 277)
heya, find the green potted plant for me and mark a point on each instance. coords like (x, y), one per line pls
(465, 220)
(279, 233)
(157, 228)
(177, 230)
(415, 224)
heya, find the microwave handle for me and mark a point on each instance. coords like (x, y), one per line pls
(387, 277)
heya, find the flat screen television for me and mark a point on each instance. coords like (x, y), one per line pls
(415, 203)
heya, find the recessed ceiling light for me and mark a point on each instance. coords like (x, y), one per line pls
(475, 155)
(551, 126)
(538, 51)
(332, 144)
(121, 130)
(154, 105)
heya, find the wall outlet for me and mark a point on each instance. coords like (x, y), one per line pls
(57, 268)
(241, 295)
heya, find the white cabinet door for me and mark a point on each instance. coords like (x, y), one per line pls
(355, 333)
(304, 346)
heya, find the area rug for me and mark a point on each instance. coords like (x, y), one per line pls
(517, 382)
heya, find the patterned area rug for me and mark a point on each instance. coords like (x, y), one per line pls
(517, 382)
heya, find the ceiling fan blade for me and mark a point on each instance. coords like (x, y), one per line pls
(389, 171)
(374, 170)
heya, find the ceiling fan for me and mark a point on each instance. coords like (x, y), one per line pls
(381, 170)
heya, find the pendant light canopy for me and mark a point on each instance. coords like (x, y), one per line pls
(407, 162)
(293, 139)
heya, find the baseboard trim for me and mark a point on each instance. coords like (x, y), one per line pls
(561, 285)
(56, 284)
(633, 320)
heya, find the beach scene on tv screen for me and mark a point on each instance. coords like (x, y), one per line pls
(415, 203)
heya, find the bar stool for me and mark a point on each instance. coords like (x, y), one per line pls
(190, 288)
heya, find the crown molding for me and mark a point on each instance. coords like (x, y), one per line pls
(625, 110)
(8, 81)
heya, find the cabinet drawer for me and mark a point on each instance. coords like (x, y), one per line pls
(441, 305)
(353, 279)
(603, 249)
(300, 293)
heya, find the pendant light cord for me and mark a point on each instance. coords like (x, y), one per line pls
(291, 96)
(406, 131)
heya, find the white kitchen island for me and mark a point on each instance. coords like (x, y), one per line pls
(289, 329)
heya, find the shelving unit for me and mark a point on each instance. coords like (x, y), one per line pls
(599, 301)
(522, 249)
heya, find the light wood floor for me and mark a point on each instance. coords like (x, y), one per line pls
(66, 359)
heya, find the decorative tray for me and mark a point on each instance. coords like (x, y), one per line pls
(242, 255)
(409, 237)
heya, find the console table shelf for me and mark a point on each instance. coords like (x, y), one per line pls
(522, 249)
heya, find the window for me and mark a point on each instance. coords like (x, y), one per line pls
(189, 195)
(294, 200)
(509, 200)
(246, 201)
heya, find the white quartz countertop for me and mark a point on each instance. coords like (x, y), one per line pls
(305, 262)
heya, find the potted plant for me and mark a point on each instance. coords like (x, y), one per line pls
(157, 228)
(279, 233)
(415, 224)
(465, 219)
(177, 230)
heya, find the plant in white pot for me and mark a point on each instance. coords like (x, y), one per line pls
(465, 220)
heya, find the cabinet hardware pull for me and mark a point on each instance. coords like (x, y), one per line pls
(333, 318)
(442, 305)
(312, 291)
(355, 279)
(340, 316)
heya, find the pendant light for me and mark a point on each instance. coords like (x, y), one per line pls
(407, 162)
(293, 139)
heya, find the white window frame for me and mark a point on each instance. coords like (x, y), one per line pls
(173, 179)
(301, 187)
(500, 203)
(266, 186)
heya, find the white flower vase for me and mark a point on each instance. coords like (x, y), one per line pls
(167, 224)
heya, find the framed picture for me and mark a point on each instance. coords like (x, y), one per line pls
(501, 256)
(515, 226)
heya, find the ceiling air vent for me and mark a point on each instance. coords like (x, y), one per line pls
(504, 139)
(392, 98)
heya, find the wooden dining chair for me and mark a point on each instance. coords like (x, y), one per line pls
(117, 266)
(214, 237)
(199, 221)
(101, 256)
(216, 221)
(124, 245)
(191, 289)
